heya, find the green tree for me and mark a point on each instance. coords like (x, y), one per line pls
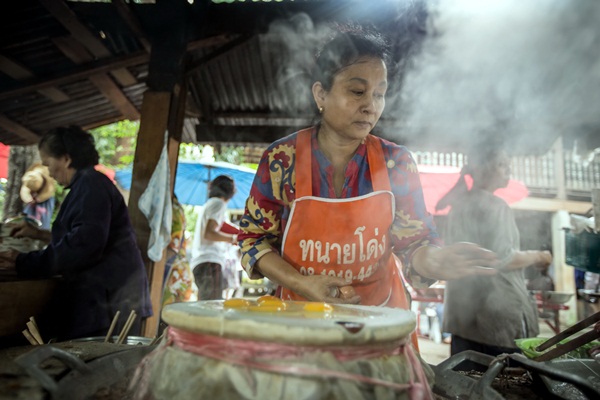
(116, 143)
(116, 146)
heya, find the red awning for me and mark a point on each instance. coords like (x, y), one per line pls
(4, 152)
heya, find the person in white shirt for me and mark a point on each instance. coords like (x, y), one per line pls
(210, 244)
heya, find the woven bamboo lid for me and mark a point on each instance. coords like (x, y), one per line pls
(344, 324)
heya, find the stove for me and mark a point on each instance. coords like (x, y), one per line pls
(476, 376)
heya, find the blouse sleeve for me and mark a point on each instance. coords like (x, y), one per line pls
(269, 199)
(413, 225)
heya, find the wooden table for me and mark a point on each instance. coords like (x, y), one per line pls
(436, 295)
(22, 299)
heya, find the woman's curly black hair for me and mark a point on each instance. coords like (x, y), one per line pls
(348, 44)
(73, 141)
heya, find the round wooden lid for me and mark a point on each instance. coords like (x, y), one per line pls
(342, 324)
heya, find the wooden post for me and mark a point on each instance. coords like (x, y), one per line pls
(596, 208)
(155, 114)
(559, 169)
(162, 110)
(564, 275)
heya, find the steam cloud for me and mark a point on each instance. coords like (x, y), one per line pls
(529, 71)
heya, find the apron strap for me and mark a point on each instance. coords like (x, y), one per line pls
(304, 163)
(377, 166)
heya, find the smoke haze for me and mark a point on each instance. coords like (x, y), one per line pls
(528, 71)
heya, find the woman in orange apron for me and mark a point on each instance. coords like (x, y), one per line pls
(332, 205)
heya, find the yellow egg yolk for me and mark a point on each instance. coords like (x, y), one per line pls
(318, 307)
(236, 303)
(268, 299)
(269, 307)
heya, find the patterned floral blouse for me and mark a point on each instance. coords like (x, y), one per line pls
(273, 192)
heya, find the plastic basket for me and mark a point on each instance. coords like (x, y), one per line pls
(583, 251)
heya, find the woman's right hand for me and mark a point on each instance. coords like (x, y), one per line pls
(318, 287)
(324, 288)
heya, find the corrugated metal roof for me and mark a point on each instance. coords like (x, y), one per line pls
(47, 46)
(86, 63)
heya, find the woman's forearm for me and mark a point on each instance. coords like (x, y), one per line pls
(279, 271)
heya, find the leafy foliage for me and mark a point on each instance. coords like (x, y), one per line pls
(116, 143)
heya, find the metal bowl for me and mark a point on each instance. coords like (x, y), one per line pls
(133, 340)
(552, 297)
(557, 297)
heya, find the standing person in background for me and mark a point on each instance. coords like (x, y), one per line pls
(92, 248)
(487, 313)
(210, 244)
(330, 204)
(37, 192)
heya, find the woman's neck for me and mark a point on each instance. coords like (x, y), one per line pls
(338, 151)
(485, 186)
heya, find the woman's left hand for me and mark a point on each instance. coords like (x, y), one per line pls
(454, 261)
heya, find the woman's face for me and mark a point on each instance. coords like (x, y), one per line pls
(59, 167)
(356, 100)
(498, 172)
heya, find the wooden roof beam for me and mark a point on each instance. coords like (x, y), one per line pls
(18, 129)
(83, 72)
(19, 72)
(79, 55)
(61, 11)
(132, 22)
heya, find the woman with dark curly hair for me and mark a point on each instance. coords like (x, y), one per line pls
(332, 205)
(91, 249)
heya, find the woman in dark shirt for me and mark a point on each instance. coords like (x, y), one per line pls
(92, 246)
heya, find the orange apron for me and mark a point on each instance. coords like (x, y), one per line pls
(348, 238)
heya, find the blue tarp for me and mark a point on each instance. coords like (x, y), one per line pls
(191, 183)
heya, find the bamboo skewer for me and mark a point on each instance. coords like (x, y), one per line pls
(32, 319)
(112, 326)
(30, 338)
(126, 327)
(34, 332)
(158, 338)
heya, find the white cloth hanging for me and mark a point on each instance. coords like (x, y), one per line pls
(155, 204)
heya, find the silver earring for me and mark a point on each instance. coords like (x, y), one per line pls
(320, 110)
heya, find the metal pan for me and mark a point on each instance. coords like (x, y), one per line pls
(85, 380)
(574, 380)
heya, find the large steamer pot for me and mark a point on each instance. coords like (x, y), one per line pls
(22, 299)
(285, 352)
